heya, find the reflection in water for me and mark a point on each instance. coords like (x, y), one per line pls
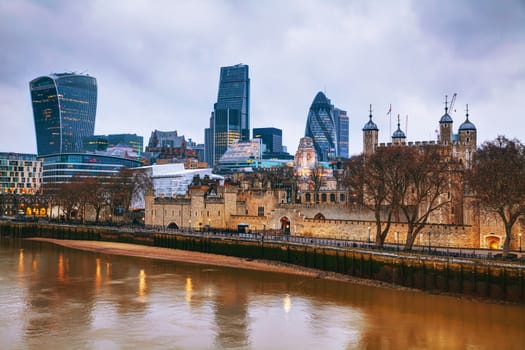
(98, 275)
(287, 303)
(189, 289)
(195, 307)
(142, 283)
(21, 260)
(60, 268)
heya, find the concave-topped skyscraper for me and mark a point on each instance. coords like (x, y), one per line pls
(64, 109)
(321, 128)
(230, 119)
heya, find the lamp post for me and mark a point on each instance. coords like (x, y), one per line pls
(189, 225)
(369, 228)
(519, 235)
(429, 242)
(163, 211)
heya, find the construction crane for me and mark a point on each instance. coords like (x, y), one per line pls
(452, 102)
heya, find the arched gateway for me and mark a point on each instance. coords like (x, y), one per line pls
(285, 225)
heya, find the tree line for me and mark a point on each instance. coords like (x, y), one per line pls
(112, 193)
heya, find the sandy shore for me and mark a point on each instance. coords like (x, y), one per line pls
(180, 255)
(204, 258)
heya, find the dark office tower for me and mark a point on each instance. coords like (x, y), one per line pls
(209, 144)
(321, 128)
(64, 108)
(341, 127)
(231, 113)
(126, 140)
(271, 137)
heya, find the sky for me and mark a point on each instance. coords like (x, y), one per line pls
(157, 63)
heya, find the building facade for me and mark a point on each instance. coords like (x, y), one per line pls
(20, 173)
(272, 138)
(240, 156)
(62, 167)
(168, 145)
(230, 119)
(342, 132)
(103, 142)
(64, 110)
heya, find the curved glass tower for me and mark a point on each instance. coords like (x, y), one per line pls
(64, 109)
(321, 128)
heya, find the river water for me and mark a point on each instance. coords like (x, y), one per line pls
(53, 297)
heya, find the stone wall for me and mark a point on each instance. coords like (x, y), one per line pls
(264, 210)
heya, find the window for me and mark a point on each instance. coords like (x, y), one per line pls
(323, 197)
(332, 197)
(307, 197)
(341, 197)
(260, 211)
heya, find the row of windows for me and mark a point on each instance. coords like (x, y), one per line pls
(324, 197)
(4, 162)
(77, 159)
(16, 185)
(166, 212)
(16, 174)
(6, 179)
(17, 168)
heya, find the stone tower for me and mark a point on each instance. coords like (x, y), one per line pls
(467, 141)
(445, 127)
(370, 136)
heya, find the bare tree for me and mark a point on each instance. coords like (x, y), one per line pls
(94, 194)
(121, 188)
(497, 178)
(317, 181)
(377, 182)
(424, 180)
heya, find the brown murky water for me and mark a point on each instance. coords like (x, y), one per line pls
(58, 298)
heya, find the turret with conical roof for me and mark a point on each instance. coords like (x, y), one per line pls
(467, 140)
(398, 137)
(445, 126)
(370, 136)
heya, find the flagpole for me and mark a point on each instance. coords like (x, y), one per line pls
(390, 122)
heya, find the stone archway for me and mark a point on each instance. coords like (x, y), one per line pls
(493, 241)
(285, 225)
(319, 216)
(173, 225)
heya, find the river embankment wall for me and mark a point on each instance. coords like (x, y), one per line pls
(496, 280)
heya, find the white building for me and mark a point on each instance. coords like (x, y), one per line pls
(170, 180)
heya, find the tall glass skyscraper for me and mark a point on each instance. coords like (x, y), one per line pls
(64, 109)
(321, 128)
(342, 132)
(231, 114)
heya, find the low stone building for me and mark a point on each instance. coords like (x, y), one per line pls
(209, 206)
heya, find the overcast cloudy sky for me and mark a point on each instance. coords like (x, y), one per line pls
(157, 62)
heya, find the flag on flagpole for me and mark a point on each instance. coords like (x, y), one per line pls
(389, 113)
